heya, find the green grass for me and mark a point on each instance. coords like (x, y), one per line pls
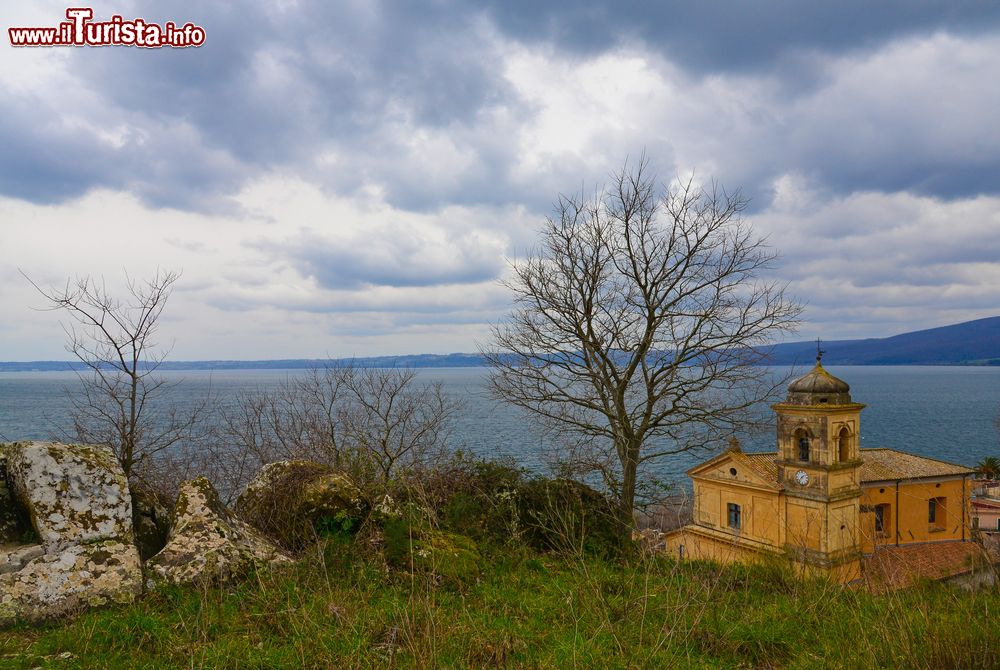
(345, 609)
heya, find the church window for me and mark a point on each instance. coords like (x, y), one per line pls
(803, 448)
(735, 516)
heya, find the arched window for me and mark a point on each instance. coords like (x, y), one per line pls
(844, 445)
(803, 442)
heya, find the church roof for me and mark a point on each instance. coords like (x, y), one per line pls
(818, 380)
(885, 464)
(819, 387)
(879, 465)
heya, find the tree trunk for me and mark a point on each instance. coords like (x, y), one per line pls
(626, 502)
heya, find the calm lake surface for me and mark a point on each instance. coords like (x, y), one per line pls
(942, 412)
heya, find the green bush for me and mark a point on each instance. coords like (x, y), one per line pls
(411, 544)
(567, 516)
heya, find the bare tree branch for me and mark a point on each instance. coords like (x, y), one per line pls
(115, 341)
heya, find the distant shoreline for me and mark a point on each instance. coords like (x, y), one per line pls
(970, 344)
(394, 362)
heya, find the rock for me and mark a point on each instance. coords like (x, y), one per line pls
(74, 500)
(14, 523)
(15, 557)
(11, 523)
(74, 494)
(150, 521)
(291, 501)
(207, 543)
(85, 575)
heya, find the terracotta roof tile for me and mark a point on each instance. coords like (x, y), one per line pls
(896, 567)
(764, 464)
(884, 464)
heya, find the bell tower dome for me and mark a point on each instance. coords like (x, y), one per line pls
(819, 467)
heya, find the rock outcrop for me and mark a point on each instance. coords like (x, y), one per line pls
(291, 501)
(99, 573)
(207, 543)
(14, 524)
(77, 503)
(150, 521)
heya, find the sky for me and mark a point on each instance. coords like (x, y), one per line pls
(354, 178)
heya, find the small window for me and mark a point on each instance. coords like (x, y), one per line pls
(998, 524)
(803, 448)
(937, 513)
(881, 512)
(732, 471)
(735, 516)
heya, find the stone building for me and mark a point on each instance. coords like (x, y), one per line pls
(822, 500)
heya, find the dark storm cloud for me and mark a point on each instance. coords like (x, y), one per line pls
(734, 36)
(393, 90)
(44, 160)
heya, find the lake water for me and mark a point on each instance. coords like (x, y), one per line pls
(942, 412)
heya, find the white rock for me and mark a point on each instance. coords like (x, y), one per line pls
(81, 576)
(73, 493)
(207, 542)
(77, 501)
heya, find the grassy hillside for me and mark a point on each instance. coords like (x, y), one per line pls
(342, 608)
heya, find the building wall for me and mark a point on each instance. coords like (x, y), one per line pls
(910, 522)
(760, 511)
(987, 516)
(690, 543)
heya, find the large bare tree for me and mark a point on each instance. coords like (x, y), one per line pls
(638, 325)
(115, 341)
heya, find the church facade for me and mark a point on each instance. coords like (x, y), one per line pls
(819, 498)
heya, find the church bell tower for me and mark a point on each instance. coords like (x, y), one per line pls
(819, 468)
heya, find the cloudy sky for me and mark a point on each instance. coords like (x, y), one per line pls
(350, 178)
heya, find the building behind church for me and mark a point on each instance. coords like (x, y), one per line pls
(821, 499)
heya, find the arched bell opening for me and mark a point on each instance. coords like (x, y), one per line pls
(801, 441)
(844, 445)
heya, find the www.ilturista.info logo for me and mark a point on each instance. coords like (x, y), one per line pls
(82, 31)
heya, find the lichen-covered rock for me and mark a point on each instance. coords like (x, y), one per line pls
(15, 557)
(56, 584)
(292, 501)
(74, 493)
(74, 500)
(207, 543)
(13, 521)
(150, 520)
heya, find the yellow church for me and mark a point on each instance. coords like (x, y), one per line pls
(821, 499)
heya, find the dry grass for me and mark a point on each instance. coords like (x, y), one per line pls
(341, 607)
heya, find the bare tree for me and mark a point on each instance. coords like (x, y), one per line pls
(395, 421)
(372, 423)
(114, 339)
(638, 324)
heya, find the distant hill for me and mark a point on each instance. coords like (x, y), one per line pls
(970, 343)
